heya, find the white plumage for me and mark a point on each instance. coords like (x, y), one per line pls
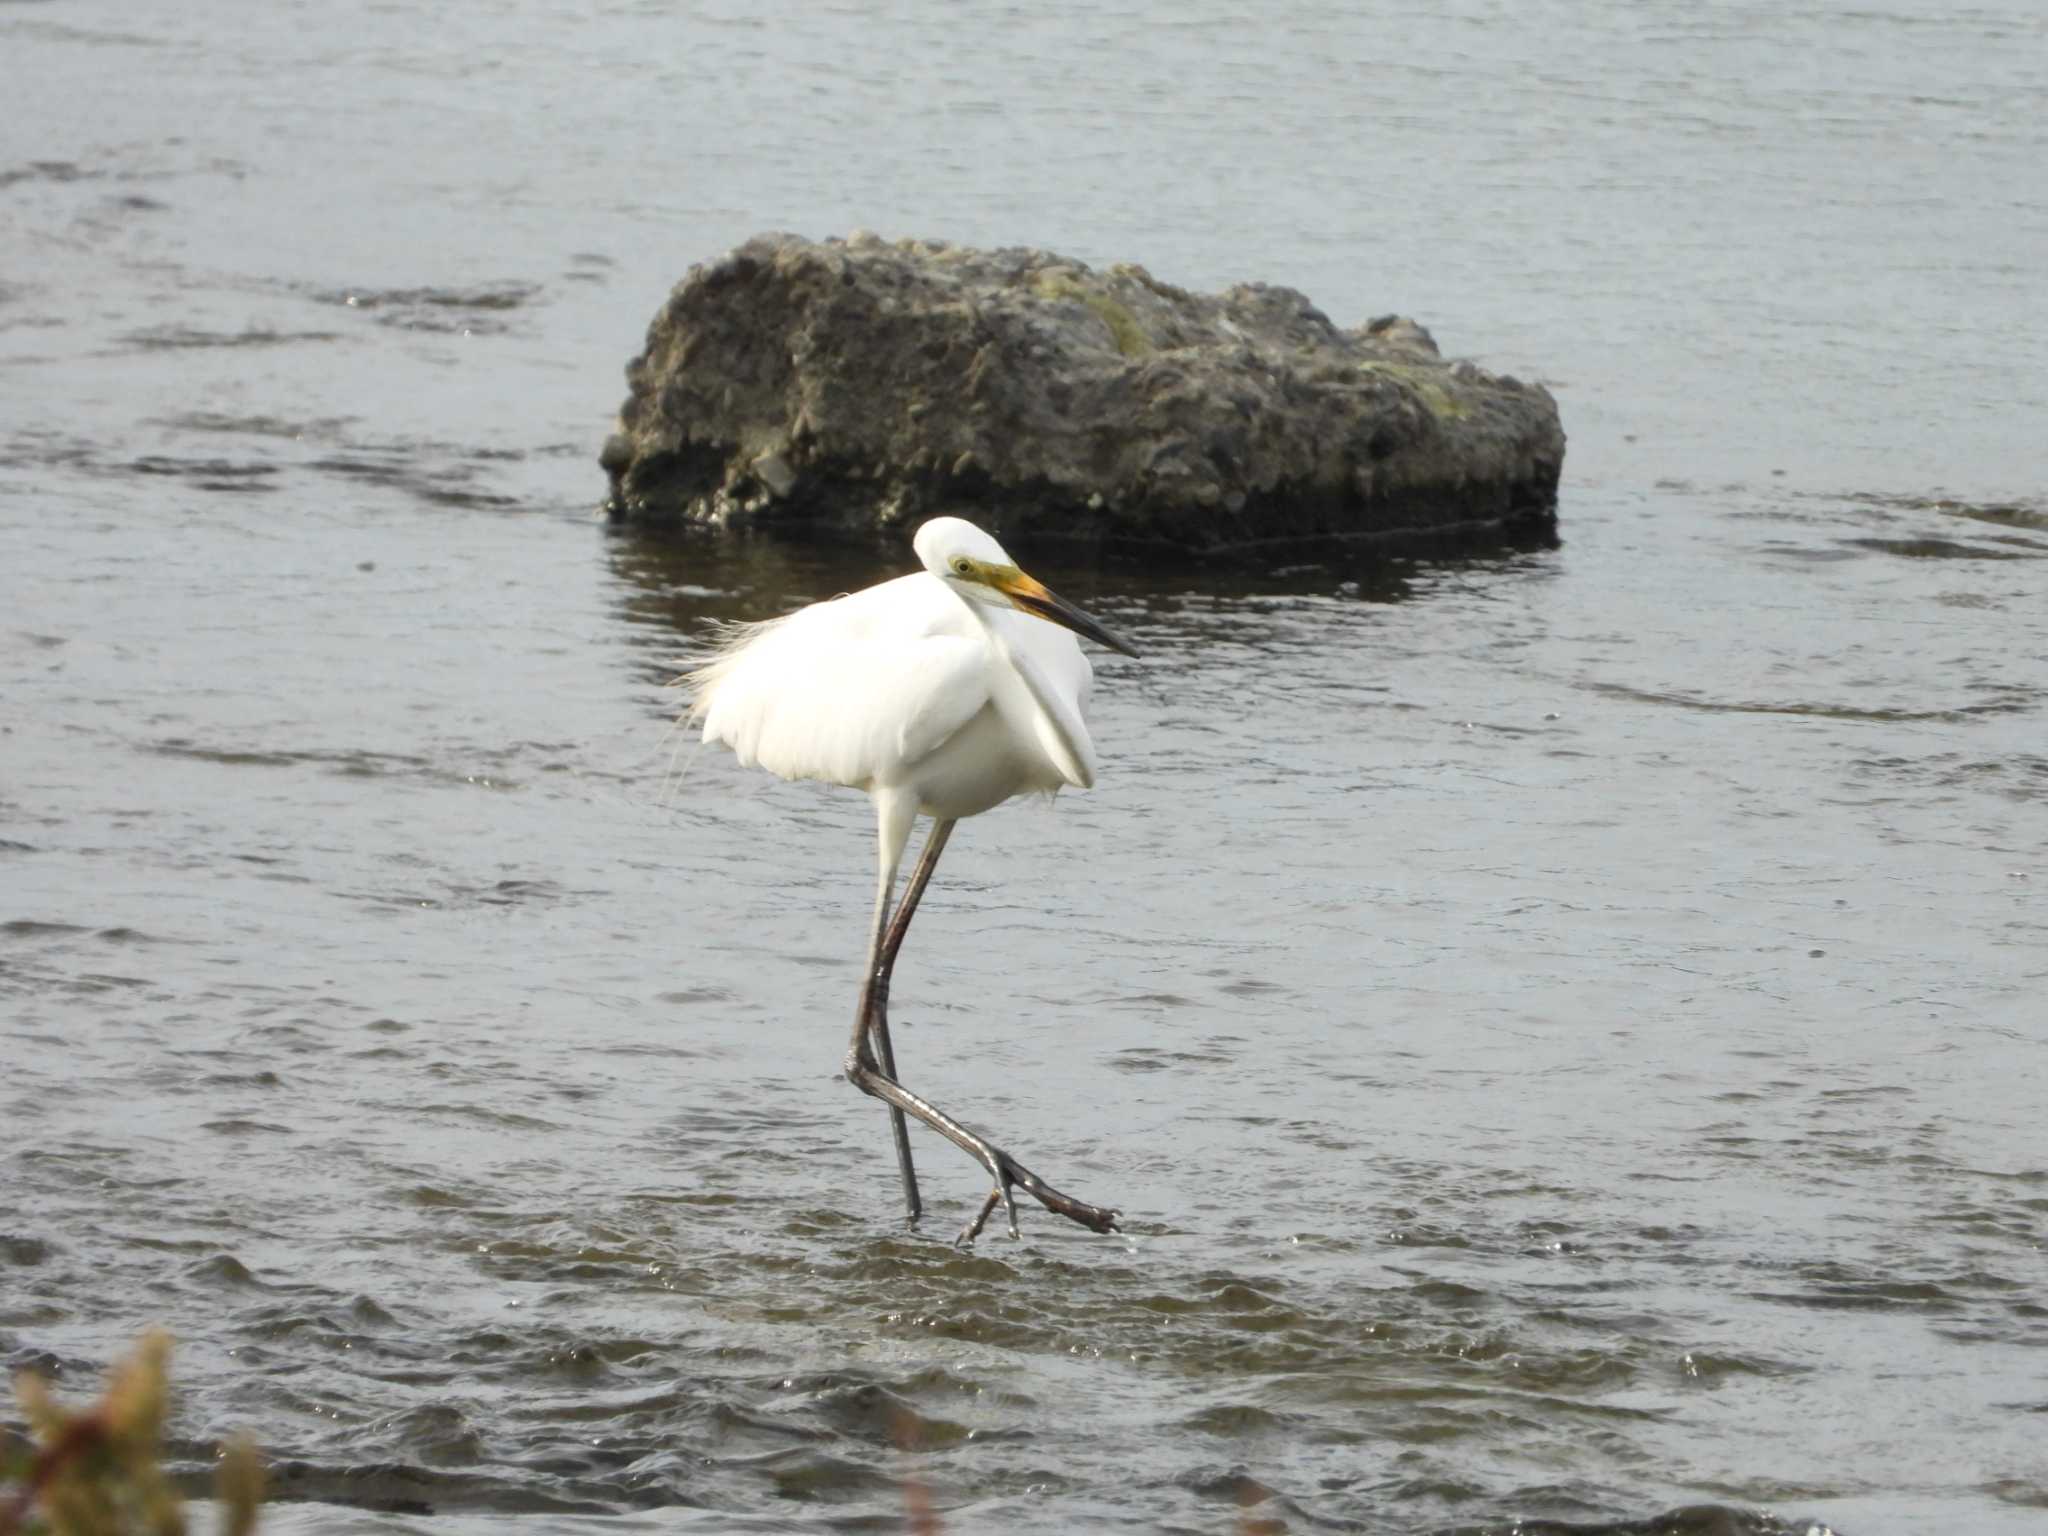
(930, 689)
(941, 693)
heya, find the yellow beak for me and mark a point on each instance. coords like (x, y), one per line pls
(1031, 596)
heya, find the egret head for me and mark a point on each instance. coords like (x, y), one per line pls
(981, 571)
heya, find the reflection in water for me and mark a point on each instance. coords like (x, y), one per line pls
(686, 586)
(766, 574)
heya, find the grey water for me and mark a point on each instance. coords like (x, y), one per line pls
(1564, 1026)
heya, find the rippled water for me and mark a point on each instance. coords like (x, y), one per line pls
(1564, 1027)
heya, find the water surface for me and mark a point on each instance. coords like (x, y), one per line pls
(1563, 1026)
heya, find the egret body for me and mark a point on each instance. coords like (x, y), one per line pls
(942, 693)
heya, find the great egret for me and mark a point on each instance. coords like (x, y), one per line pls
(941, 693)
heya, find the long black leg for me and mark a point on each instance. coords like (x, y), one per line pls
(899, 925)
(877, 999)
(874, 994)
(875, 1074)
(899, 1132)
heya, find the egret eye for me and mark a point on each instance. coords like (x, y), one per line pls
(962, 566)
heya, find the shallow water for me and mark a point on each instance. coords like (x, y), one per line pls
(1563, 1026)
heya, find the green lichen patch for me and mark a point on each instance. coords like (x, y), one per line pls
(1124, 330)
(1427, 385)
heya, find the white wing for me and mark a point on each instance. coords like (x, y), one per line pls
(847, 691)
(1058, 675)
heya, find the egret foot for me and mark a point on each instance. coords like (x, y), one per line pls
(1094, 1217)
(1000, 1195)
(865, 1074)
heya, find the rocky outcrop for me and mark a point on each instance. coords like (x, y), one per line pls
(859, 384)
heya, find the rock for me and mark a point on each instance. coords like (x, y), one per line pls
(775, 472)
(858, 385)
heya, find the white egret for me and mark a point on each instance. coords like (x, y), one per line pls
(942, 693)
